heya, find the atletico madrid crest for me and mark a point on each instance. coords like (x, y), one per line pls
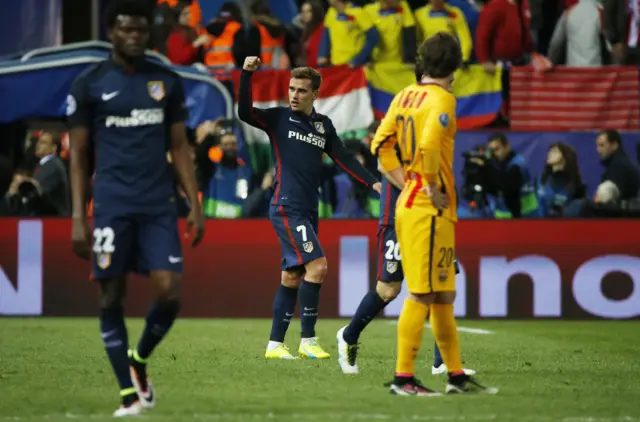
(392, 267)
(319, 127)
(104, 260)
(156, 90)
(307, 247)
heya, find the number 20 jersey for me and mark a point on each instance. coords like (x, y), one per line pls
(422, 121)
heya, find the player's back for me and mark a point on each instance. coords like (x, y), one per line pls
(425, 126)
(129, 115)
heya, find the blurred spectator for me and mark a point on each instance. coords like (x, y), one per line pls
(621, 20)
(508, 181)
(471, 11)
(45, 191)
(307, 30)
(394, 22)
(257, 203)
(618, 167)
(184, 46)
(195, 12)
(503, 33)
(437, 16)
(230, 42)
(272, 36)
(50, 174)
(577, 39)
(224, 177)
(349, 36)
(607, 193)
(561, 181)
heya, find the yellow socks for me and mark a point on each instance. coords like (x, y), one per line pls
(410, 329)
(443, 324)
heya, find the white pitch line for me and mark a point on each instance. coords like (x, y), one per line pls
(328, 417)
(461, 329)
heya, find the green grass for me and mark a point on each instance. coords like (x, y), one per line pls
(214, 370)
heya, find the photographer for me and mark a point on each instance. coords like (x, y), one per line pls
(224, 177)
(46, 191)
(508, 181)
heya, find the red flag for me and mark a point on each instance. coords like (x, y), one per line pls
(571, 98)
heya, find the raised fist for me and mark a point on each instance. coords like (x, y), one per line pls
(252, 63)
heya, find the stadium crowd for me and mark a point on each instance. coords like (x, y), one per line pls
(495, 33)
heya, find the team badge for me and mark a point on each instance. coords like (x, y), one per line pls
(319, 127)
(104, 260)
(392, 267)
(444, 119)
(307, 247)
(156, 90)
(443, 276)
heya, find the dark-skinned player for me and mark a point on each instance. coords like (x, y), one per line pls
(131, 111)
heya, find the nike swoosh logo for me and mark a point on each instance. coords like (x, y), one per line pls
(288, 314)
(107, 97)
(309, 309)
(108, 334)
(294, 121)
(175, 259)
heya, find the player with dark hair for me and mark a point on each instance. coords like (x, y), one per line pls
(299, 136)
(132, 110)
(421, 121)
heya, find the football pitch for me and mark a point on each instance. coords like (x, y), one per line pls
(55, 369)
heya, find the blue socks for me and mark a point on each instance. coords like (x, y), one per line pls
(309, 300)
(159, 320)
(369, 307)
(437, 357)
(283, 305)
(114, 335)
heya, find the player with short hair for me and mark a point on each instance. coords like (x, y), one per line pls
(421, 121)
(299, 136)
(132, 110)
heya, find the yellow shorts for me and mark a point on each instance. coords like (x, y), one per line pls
(428, 250)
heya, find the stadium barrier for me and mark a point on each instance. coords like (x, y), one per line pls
(576, 269)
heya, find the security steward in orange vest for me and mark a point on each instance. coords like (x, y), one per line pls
(231, 41)
(272, 37)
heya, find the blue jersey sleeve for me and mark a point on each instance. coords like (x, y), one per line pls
(176, 110)
(79, 108)
(257, 117)
(346, 160)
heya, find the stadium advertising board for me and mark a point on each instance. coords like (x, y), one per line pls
(510, 269)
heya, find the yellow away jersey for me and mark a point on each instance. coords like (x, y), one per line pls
(422, 121)
(390, 23)
(346, 32)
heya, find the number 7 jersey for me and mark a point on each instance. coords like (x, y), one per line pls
(422, 122)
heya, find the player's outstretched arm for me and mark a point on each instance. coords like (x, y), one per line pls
(246, 111)
(347, 161)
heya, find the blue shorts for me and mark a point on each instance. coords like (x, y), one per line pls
(389, 257)
(135, 243)
(297, 233)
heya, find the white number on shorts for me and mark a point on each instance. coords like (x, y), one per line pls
(103, 240)
(393, 251)
(302, 229)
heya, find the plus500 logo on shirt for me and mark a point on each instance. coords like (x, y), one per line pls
(310, 138)
(138, 117)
